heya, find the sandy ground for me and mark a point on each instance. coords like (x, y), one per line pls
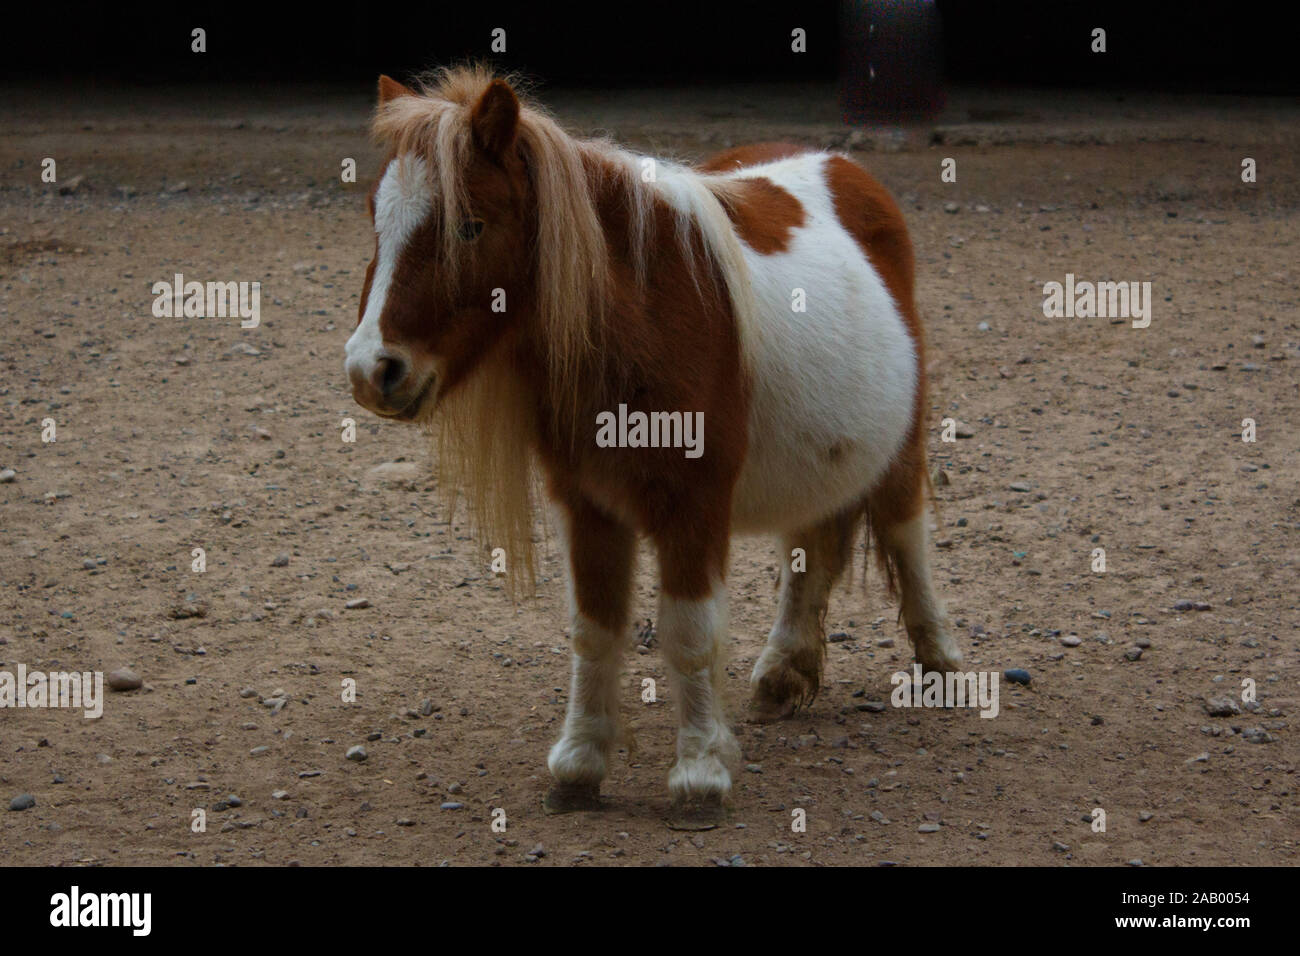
(174, 434)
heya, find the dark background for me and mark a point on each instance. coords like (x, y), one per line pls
(1210, 47)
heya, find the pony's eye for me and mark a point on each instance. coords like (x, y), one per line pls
(470, 229)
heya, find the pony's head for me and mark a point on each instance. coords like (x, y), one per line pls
(490, 258)
(453, 219)
(484, 222)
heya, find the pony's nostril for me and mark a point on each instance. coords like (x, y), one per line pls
(388, 375)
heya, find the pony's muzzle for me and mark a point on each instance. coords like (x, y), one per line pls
(382, 382)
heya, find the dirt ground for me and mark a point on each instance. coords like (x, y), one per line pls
(180, 433)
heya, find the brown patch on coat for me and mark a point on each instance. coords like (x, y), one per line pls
(871, 216)
(764, 214)
(602, 553)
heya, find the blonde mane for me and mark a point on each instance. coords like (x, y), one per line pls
(485, 435)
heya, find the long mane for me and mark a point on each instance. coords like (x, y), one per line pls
(486, 426)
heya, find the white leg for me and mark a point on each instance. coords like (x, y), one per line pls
(692, 632)
(591, 724)
(601, 554)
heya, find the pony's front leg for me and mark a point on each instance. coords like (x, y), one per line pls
(601, 553)
(692, 629)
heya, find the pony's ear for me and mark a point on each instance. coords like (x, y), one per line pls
(495, 119)
(390, 89)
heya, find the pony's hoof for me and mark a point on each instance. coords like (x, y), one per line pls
(936, 650)
(700, 813)
(764, 708)
(572, 798)
(782, 688)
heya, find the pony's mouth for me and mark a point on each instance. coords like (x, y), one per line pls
(411, 410)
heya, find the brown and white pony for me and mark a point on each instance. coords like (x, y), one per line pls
(526, 284)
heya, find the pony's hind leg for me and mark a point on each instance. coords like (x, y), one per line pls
(601, 555)
(907, 543)
(897, 514)
(788, 673)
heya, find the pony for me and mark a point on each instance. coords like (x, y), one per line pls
(529, 289)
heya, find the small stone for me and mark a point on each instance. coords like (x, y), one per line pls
(247, 692)
(280, 561)
(397, 472)
(70, 186)
(24, 801)
(1133, 654)
(1257, 735)
(7, 475)
(1020, 486)
(754, 767)
(451, 805)
(839, 637)
(279, 794)
(357, 753)
(1144, 816)
(356, 604)
(929, 828)
(1060, 847)
(189, 609)
(1221, 707)
(951, 208)
(1017, 675)
(123, 680)
(426, 707)
(1072, 640)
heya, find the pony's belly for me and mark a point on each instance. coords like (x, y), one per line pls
(833, 386)
(792, 480)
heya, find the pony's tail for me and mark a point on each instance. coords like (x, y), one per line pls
(874, 540)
